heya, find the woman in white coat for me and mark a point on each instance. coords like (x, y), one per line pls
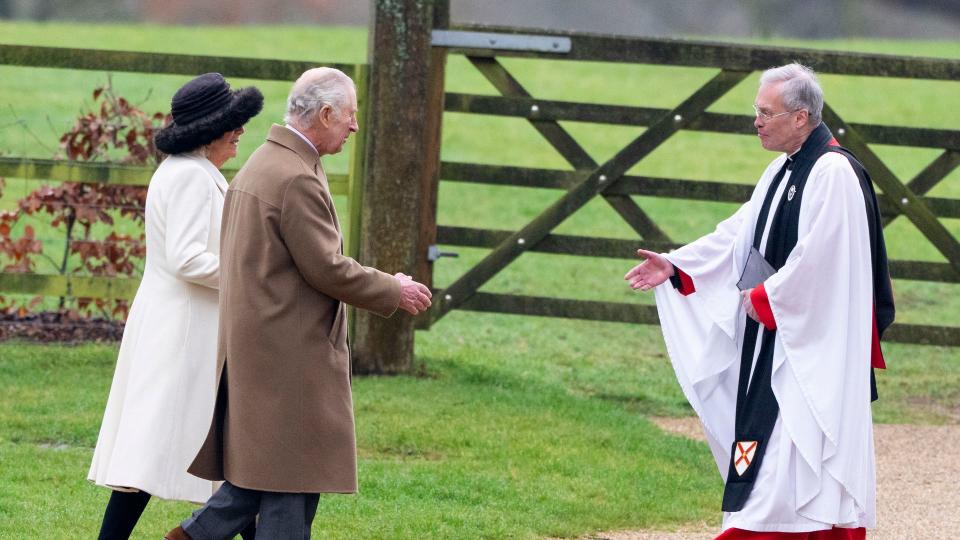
(162, 397)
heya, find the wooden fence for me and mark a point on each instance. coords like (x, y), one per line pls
(42, 170)
(588, 179)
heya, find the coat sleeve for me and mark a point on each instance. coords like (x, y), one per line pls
(308, 226)
(188, 208)
(711, 266)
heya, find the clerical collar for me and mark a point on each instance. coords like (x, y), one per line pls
(304, 137)
(792, 159)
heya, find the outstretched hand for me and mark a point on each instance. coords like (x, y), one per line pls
(414, 297)
(652, 272)
(747, 303)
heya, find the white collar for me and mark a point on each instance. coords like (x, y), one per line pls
(302, 136)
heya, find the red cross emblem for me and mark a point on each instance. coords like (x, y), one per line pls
(743, 456)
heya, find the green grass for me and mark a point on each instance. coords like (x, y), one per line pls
(473, 447)
(514, 427)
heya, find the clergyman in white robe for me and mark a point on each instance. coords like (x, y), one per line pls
(819, 466)
(818, 470)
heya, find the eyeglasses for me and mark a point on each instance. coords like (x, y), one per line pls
(767, 117)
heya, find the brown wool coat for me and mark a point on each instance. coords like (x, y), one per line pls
(284, 414)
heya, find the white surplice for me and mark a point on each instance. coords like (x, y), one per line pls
(819, 465)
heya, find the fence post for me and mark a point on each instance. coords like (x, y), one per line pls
(430, 179)
(402, 150)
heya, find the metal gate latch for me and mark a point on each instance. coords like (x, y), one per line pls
(434, 253)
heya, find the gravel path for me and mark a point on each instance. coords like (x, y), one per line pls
(918, 485)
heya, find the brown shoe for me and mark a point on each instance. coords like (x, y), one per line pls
(177, 534)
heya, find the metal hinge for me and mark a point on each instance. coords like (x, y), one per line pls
(460, 39)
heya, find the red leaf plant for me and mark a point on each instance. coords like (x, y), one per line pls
(113, 131)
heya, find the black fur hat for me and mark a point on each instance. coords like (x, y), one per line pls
(203, 110)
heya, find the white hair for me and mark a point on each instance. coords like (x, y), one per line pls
(800, 90)
(315, 89)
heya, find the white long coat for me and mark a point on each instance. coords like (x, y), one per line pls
(162, 397)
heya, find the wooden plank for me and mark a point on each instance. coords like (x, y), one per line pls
(522, 107)
(74, 171)
(944, 336)
(430, 181)
(510, 176)
(70, 286)
(614, 248)
(909, 136)
(560, 307)
(736, 57)
(354, 187)
(948, 208)
(568, 147)
(159, 63)
(909, 204)
(924, 271)
(574, 199)
(740, 124)
(46, 170)
(648, 186)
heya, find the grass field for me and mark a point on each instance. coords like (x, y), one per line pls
(514, 427)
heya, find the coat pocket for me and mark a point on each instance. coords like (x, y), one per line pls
(338, 330)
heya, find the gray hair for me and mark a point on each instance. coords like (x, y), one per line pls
(800, 90)
(314, 89)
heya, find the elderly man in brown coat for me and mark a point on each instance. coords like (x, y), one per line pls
(283, 428)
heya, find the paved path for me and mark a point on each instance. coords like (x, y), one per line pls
(918, 485)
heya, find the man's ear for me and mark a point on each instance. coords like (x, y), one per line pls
(802, 118)
(326, 115)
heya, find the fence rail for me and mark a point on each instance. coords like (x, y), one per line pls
(108, 173)
(538, 109)
(65, 285)
(736, 57)
(643, 314)
(158, 63)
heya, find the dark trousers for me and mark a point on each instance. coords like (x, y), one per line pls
(283, 516)
(124, 510)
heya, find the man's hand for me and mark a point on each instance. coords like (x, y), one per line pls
(414, 297)
(652, 272)
(748, 305)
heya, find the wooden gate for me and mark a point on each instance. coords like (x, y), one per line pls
(588, 179)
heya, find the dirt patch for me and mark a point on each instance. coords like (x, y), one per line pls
(54, 327)
(918, 483)
(683, 533)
